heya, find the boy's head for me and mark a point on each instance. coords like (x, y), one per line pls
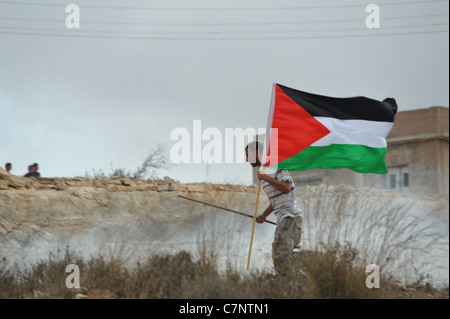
(253, 153)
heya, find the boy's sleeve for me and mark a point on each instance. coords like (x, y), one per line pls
(284, 176)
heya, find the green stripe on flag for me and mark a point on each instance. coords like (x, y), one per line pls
(360, 158)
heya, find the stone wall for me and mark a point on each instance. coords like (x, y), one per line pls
(31, 208)
(116, 184)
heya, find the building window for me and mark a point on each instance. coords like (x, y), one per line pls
(392, 183)
(405, 179)
(308, 181)
(398, 178)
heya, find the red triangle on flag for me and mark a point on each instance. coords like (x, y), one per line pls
(297, 129)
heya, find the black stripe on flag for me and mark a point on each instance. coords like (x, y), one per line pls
(352, 108)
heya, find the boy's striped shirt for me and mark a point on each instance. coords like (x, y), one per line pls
(284, 205)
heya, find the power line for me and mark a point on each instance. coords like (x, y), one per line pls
(217, 32)
(222, 24)
(221, 8)
(225, 38)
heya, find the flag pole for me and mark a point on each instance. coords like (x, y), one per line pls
(254, 222)
(266, 148)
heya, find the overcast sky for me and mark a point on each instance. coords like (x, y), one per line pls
(74, 100)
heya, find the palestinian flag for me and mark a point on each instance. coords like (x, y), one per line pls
(314, 131)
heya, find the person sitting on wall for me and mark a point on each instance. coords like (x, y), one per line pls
(8, 167)
(30, 171)
(36, 169)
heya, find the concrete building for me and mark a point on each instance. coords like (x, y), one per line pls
(417, 157)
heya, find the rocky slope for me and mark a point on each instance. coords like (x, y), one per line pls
(40, 215)
(35, 208)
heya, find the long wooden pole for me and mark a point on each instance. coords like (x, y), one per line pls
(224, 208)
(253, 228)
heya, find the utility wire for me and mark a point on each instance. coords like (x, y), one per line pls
(215, 32)
(221, 24)
(225, 38)
(221, 8)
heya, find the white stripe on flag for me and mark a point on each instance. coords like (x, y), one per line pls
(358, 132)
